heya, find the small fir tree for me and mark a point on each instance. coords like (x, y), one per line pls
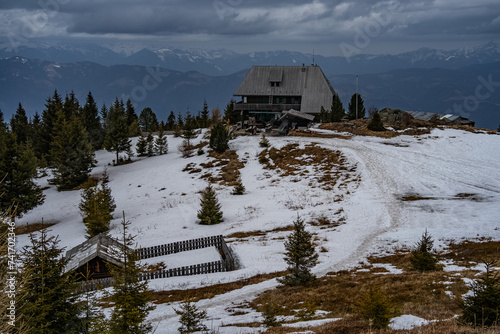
(151, 145)
(375, 307)
(186, 149)
(204, 115)
(191, 318)
(92, 122)
(264, 142)
(170, 121)
(269, 313)
(50, 304)
(130, 297)
(210, 212)
(230, 114)
(300, 256)
(423, 257)
(19, 125)
(376, 123)
(142, 147)
(219, 138)
(188, 130)
(239, 188)
(116, 139)
(161, 144)
(337, 110)
(97, 207)
(147, 120)
(352, 107)
(482, 308)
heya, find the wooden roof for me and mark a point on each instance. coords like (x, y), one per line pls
(101, 246)
(309, 82)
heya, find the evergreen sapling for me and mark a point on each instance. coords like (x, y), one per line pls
(210, 212)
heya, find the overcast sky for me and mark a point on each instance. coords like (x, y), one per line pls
(328, 27)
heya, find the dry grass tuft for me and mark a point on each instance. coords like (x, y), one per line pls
(229, 165)
(242, 235)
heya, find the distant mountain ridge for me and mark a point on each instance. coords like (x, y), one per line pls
(31, 81)
(225, 62)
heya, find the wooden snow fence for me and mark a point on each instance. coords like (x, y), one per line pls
(226, 263)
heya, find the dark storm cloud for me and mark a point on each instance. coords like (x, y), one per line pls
(314, 21)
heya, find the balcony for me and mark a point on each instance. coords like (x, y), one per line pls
(265, 107)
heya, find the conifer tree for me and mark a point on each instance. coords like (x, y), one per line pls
(116, 139)
(49, 118)
(300, 256)
(71, 153)
(204, 115)
(170, 121)
(264, 142)
(92, 122)
(97, 206)
(19, 125)
(376, 123)
(71, 106)
(352, 107)
(423, 257)
(130, 112)
(151, 145)
(191, 318)
(239, 188)
(50, 303)
(210, 212)
(219, 138)
(134, 129)
(230, 114)
(482, 308)
(161, 144)
(188, 132)
(377, 308)
(147, 120)
(337, 110)
(131, 296)
(18, 169)
(142, 147)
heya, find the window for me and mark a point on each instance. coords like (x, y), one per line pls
(275, 84)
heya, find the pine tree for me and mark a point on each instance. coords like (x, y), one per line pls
(71, 153)
(191, 318)
(376, 123)
(422, 257)
(300, 256)
(92, 122)
(219, 138)
(337, 110)
(131, 296)
(161, 144)
(50, 303)
(71, 106)
(134, 129)
(97, 206)
(352, 107)
(324, 115)
(147, 120)
(210, 212)
(239, 188)
(151, 145)
(188, 132)
(18, 169)
(19, 125)
(130, 112)
(482, 308)
(264, 142)
(170, 121)
(204, 115)
(142, 147)
(230, 114)
(269, 314)
(49, 118)
(377, 308)
(116, 139)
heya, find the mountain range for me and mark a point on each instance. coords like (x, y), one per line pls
(177, 79)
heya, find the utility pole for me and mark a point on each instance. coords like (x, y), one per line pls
(356, 97)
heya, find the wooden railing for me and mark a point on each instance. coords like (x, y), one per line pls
(227, 262)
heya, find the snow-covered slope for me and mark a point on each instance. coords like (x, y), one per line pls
(449, 180)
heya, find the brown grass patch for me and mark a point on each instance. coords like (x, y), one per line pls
(328, 167)
(161, 297)
(229, 164)
(359, 128)
(469, 252)
(242, 235)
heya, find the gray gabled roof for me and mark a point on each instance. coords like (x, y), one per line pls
(309, 82)
(101, 246)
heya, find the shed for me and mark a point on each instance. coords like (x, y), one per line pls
(92, 256)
